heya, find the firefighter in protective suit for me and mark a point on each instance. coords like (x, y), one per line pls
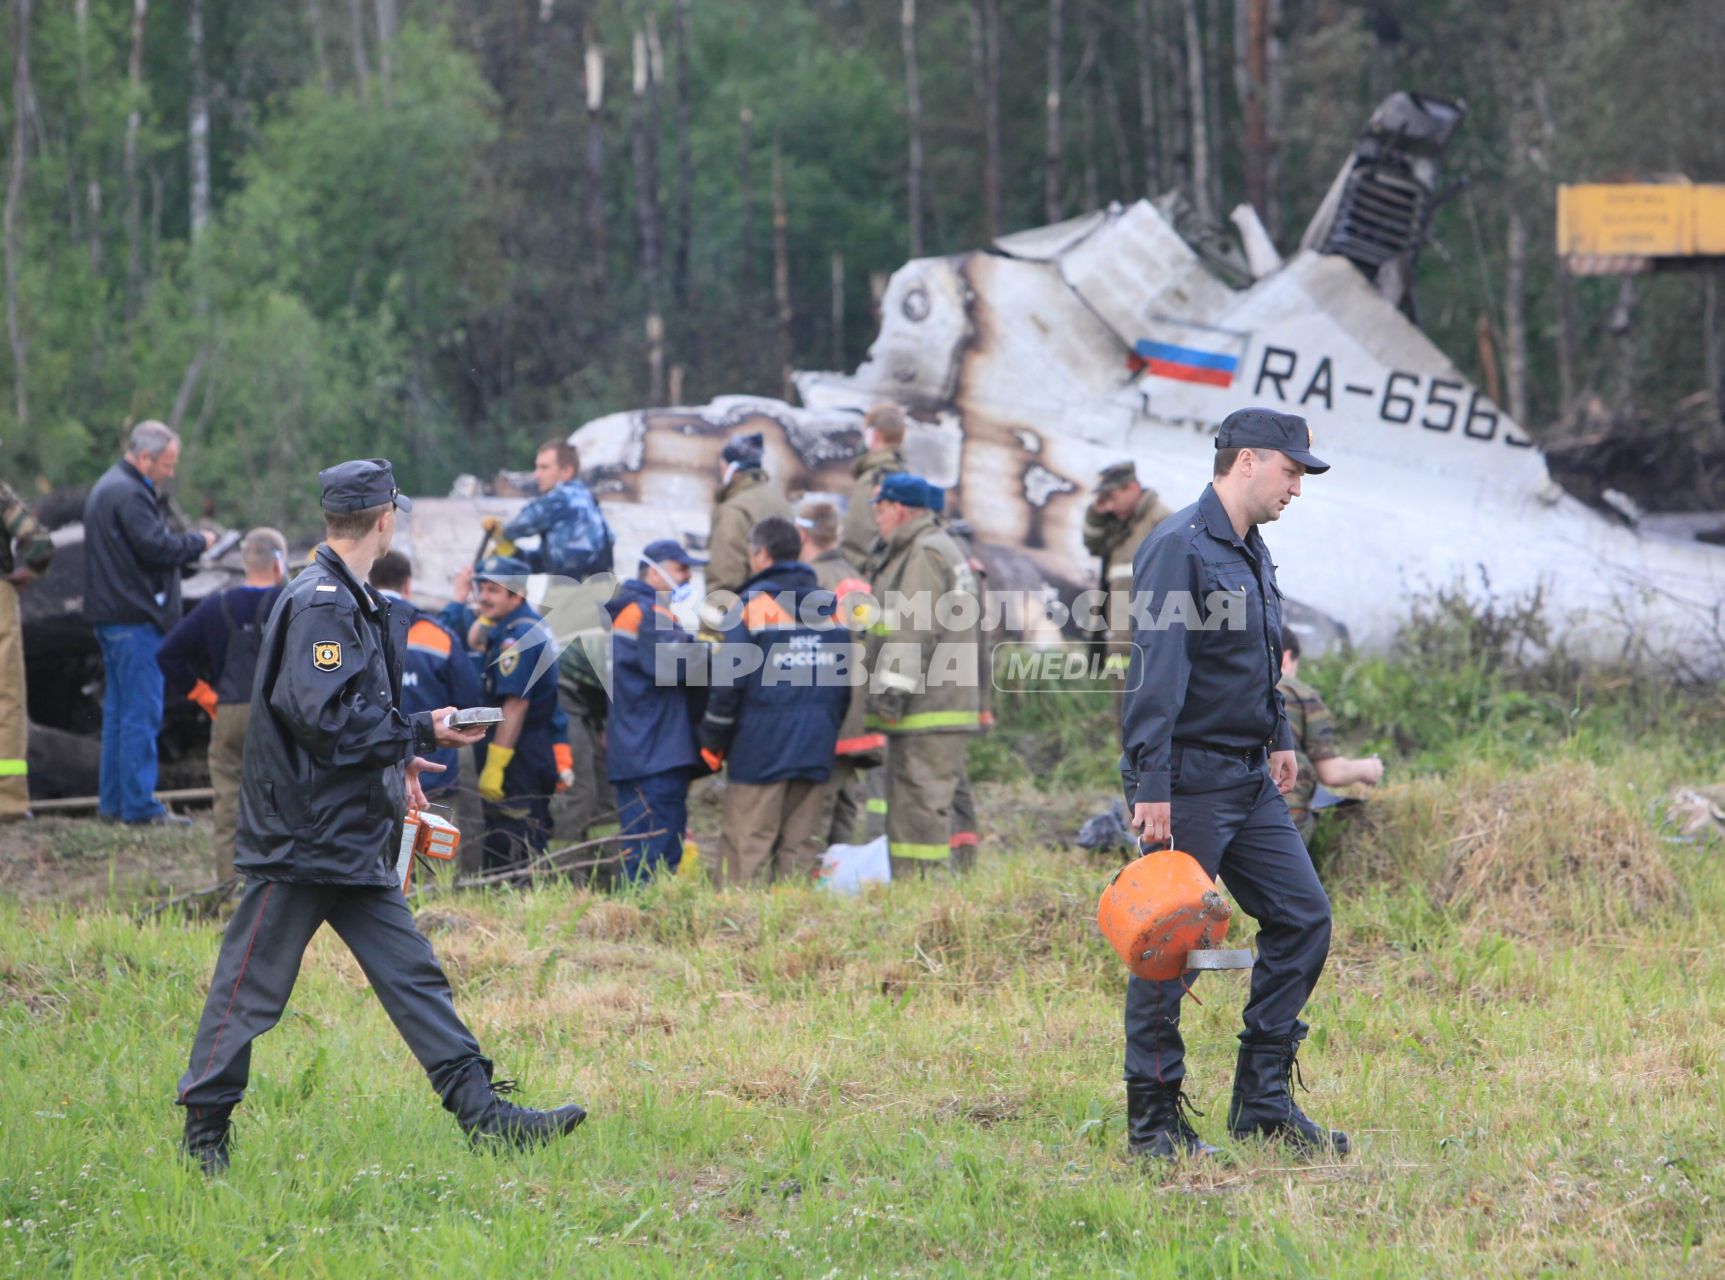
(331, 765)
(925, 682)
(747, 496)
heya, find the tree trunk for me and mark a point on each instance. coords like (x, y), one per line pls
(1087, 105)
(93, 187)
(1275, 110)
(11, 231)
(838, 315)
(361, 67)
(1113, 115)
(985, 72)
(913, 120)
(1710, 335)
(1213, 77)
(746, 202)
(593, 74)
(1514, 315)
(1621, 325)
(782, 271)
(386, 28)
(319, 55)
(1198, 112)
(1253, 60)
(1051, 202)
(129, 160)
(1175, 127)
(685, 161)
(1144, 47)
(647, 214)
(199, 157)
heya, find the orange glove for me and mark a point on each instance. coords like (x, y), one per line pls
(565, 759)
(205, 697)
(713, 759)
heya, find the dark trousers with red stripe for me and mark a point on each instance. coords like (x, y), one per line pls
(260, 959)
(1229, 816)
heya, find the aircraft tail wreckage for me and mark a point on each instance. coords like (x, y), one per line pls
(1030, 364)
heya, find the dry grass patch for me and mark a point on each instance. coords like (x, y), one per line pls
(1559, 847)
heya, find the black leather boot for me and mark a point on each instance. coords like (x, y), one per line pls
(1156, 1123)
(1263, 1104)
(480, 1108)
(206, 1140)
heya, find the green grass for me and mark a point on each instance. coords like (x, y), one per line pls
(921, 1082)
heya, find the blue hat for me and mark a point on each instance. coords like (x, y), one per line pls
(505, 571)
(1270, 429)
(911, 491)
(937, 497)
(745, 451)
(360, 485)
(670, 551)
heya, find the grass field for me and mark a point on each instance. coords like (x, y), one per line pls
(1522, 1027)
(924, 1081)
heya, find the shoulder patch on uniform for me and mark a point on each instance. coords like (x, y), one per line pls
(508, 660)
(326, 586)
(326, 655)
(428, 637)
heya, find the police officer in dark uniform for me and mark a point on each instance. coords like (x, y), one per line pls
(518, 767)
(331, 764)
(1208, 756)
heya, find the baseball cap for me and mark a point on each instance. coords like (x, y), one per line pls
(670, 551)
(1270, 429)
(359, 485)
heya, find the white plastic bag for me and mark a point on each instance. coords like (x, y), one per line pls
(846, 868)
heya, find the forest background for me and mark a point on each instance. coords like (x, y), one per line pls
(443, 230)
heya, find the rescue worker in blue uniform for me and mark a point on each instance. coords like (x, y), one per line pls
(1208, 756)
(211, 657)
(518, 766)
(438, 671)
(331, 765)
(781, 684)
(650, 750)
(574, 539)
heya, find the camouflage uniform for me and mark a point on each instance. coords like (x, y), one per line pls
(574, 540)
(1314, 740)
(1115, 542)
(35, 549)
(748, 498)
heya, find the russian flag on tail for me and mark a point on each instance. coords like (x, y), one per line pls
(1190, 352)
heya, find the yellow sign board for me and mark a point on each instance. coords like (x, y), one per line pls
(1640, 220)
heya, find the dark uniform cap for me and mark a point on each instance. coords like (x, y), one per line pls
(505, 571)
(670, 551)
(1268, 429)
(911, 491)
(744, 450)
(1116, 476)
(359, 485)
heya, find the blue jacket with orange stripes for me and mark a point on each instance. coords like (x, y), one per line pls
(653, 662)
(438, 674)
(781, 680)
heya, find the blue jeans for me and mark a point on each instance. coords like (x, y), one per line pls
(657, 802)
(131, 719)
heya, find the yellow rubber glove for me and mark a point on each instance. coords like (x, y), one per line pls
(491, 777)
(502, 546)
